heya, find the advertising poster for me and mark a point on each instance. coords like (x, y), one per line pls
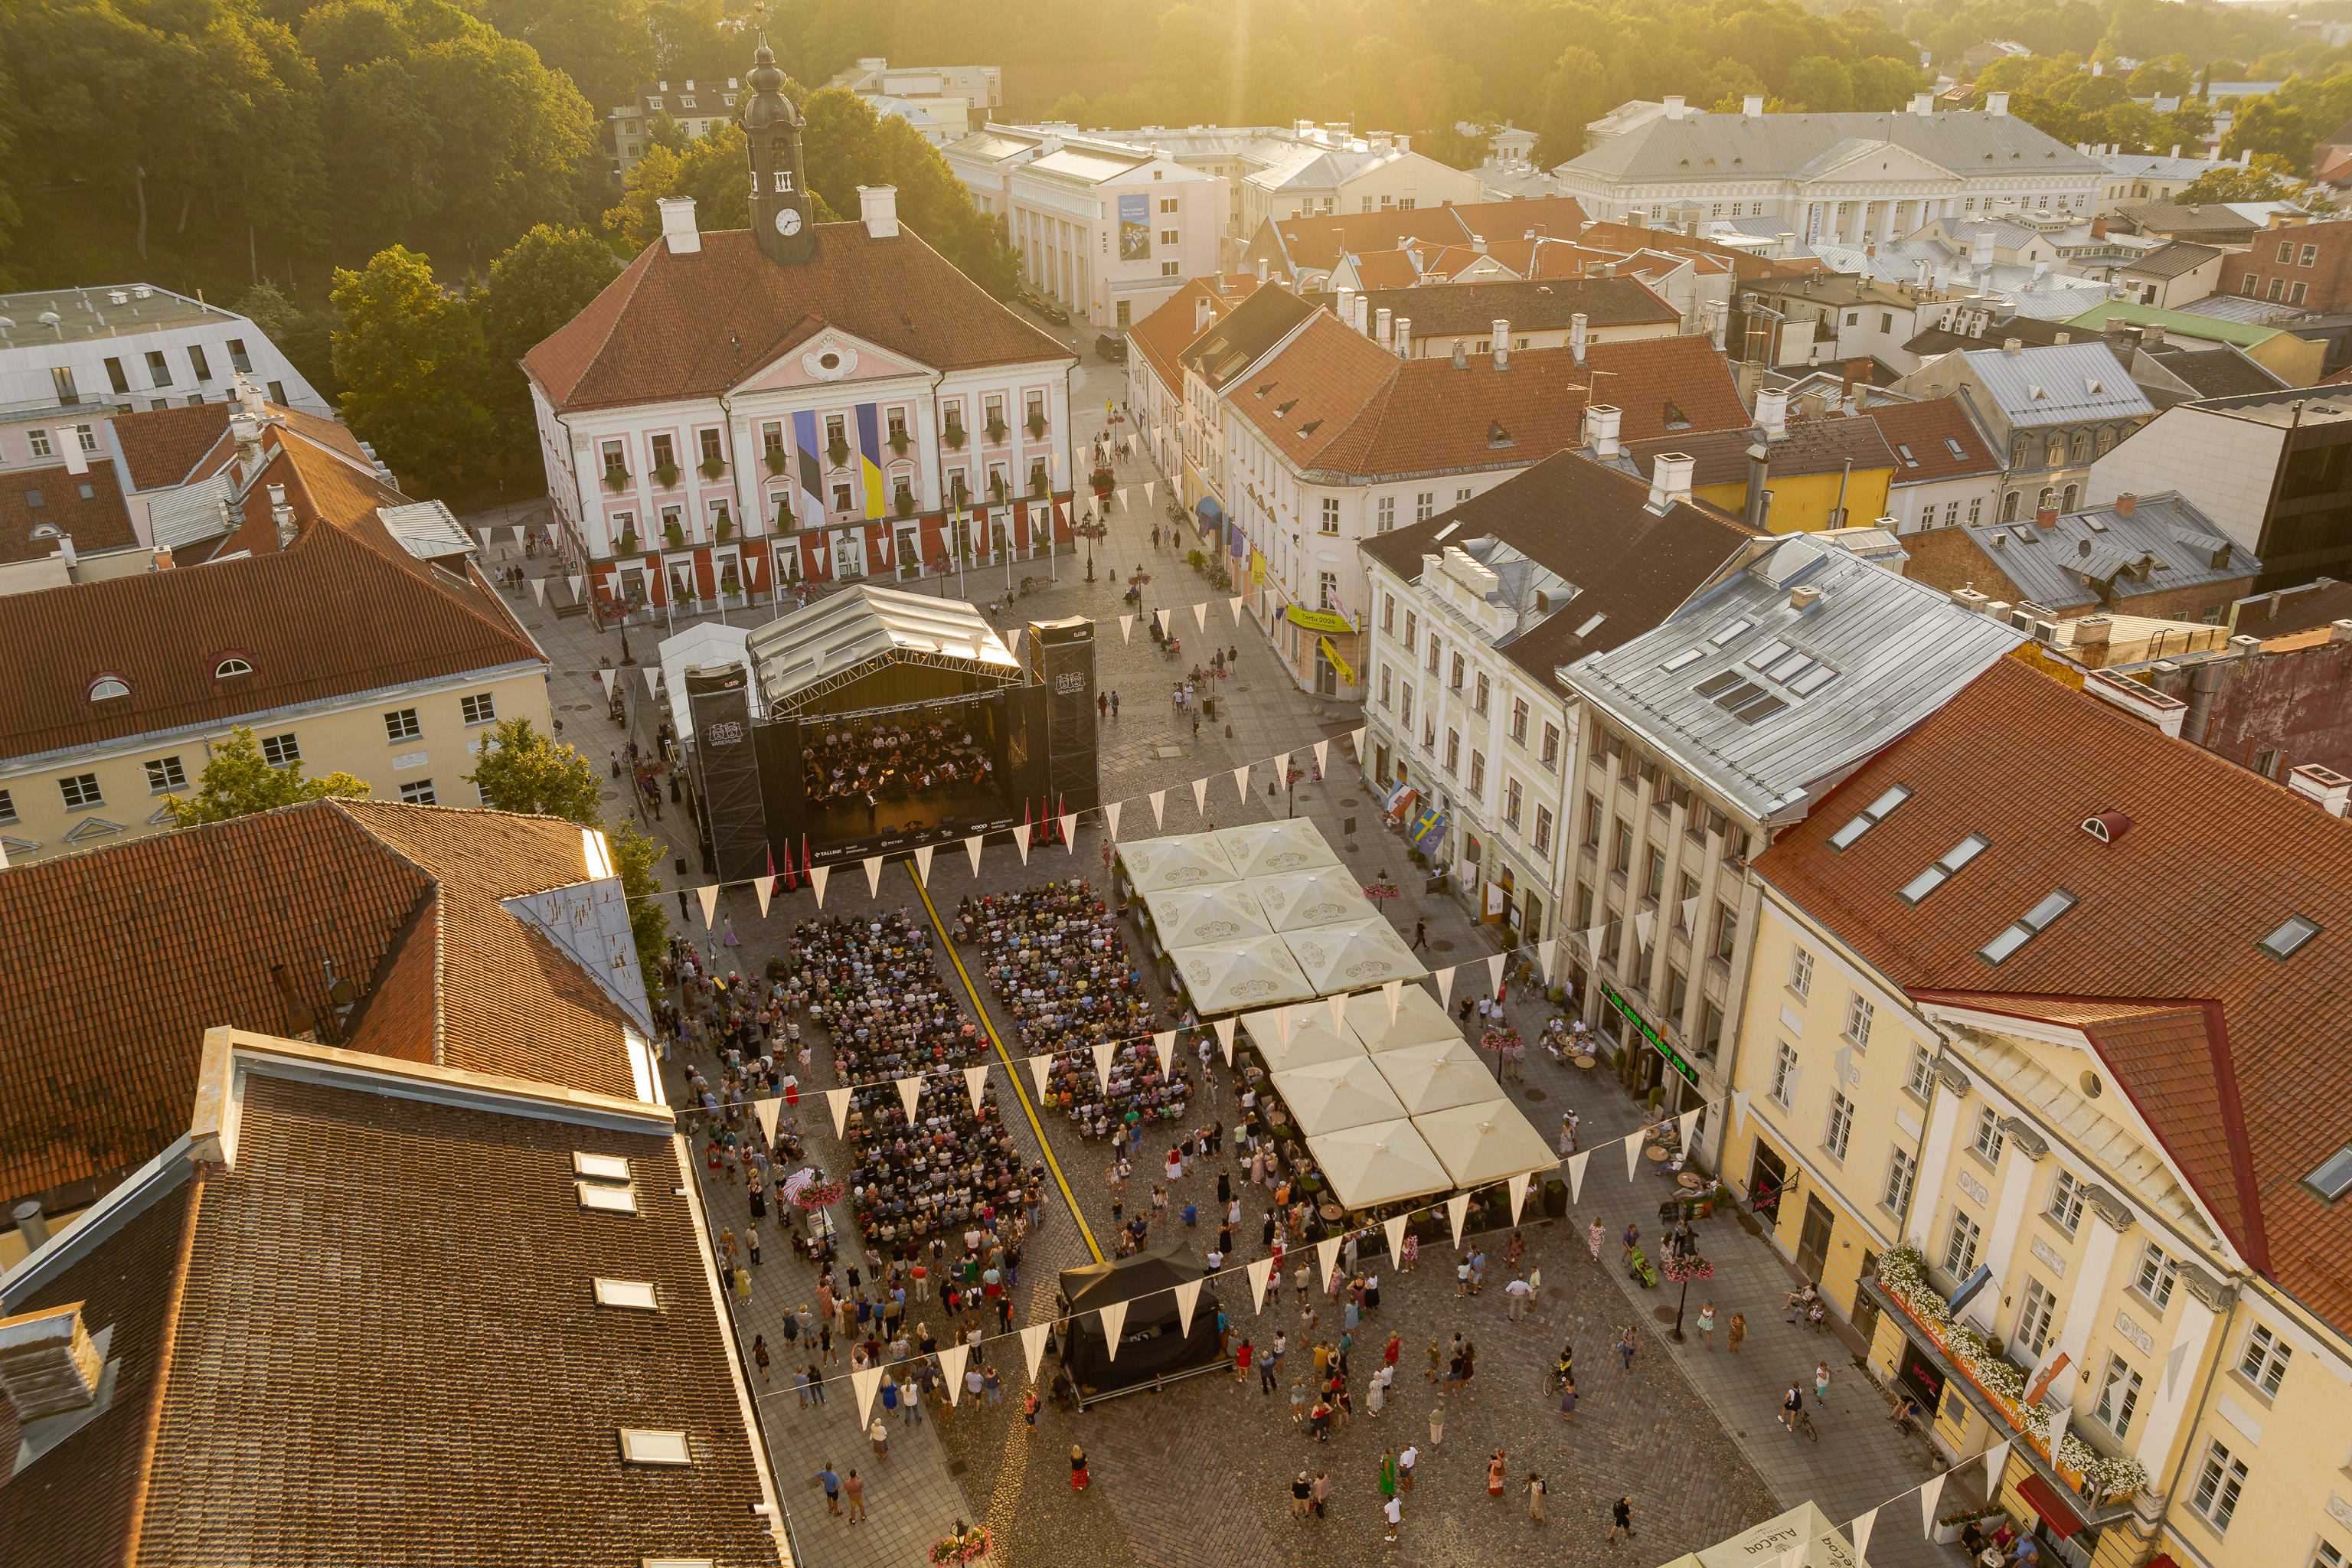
(1135, 228)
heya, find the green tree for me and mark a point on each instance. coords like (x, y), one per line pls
(603, 46)
(411, 362)
(1576, 94)
(305, 337)
(1822, 84)
(711, 170)
(238, 782)
(2270, 178)
(545, 278)
(638, 859)
(847, 146)
(524, 770)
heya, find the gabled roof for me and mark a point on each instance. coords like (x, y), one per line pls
(163, 447)
(1923, 434)
(2102, 555)
(2214, 1042)
(1779, 146)
(2062, 384)
(1469, 309)
(2173, 260)
(95, 521)
(1316, 242)
(1162, 336)
(692, 326)
(1626, 567)
(1242, 337)
(1880, 653)
(1811, 447)
(100, 1060)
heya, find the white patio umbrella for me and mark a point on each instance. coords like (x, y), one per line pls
(1312, 1039)
(1436, 1076)
(1183, 860)
(1277, 849)
(1485, 1141)
(1419, 1021)
(1353, 954)
(1250, 972)
(1319, 896)
(1214, 912)
(1329, 1096)
(1378, 1162)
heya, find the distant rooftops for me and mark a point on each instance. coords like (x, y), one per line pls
(124, 310)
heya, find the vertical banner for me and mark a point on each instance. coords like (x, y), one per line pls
(812, 467)
(1135, 227)
(870, 456)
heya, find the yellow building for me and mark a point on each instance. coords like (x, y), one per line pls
(347, 634)
(1818, 473)
(2013, 1085)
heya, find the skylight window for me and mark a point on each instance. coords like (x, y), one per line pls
(1876, 812)
(1942, 871)
(1731, 631)
(605, 1199)
(2033, 923)
(1588, 628)
(634, 1295)
(2333, 1177)
(1955, 449)
(1813, 680)
(1796, 663)
(1746, 691)
(1689, 655)
(600, 1167)
(1767, 653)
(1758, 710)
(641, 1447)
(1908, 460)
(1715, 683)
(2285, 941)
(2096, 524)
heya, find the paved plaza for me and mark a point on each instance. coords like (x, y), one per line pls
(1200, 1472)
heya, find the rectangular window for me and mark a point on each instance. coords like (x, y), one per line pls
(1543, 830)
(1653, 885)
(159, 372)
(1859, 1014)
(1519, 721)
(1331, 515)
(197, 362)
(1677, 992)
(1840, 1127)
(39, 440)
(418, 794)
(708, 440)
(1483, 692)
(121, 382)
(2309, 257)
(2263, 1362)
(2158, 1270)
(1460, 669)
(87, 434)
(1800, 972)
(1433, 653)
(2218, 1486)
(238, 360)
(843, 501)
(1960, 1246)
(1710, 1035)
(1511, 794)
(479, 709)
(1726, 931)
(615, 466)
(1405, 710)
(1902, 1169)
(1785, 1074)
(278, 393)
(1592, 820)
(1478, 774)
(1453, 749)
(1385, 674)
(1424, 506)
(1922, 1076)
(165, 772)
(1326, 590)
(80, 791)
(664, 452)
(1622, 860)
(1988, 1137)
(401, 724)
(61, 384)
(2033, 1319)
(2028, 926)
(1387, 612)
(7, 805)
(1551, 747)
(280, 750)
(1385, 512)
(2065, 1204)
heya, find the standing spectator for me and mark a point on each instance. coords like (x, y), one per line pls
(1404, 1468)
(1519, 1291)
(1595, 1237)
(1627, 1342)
(832, 1488)
(1622, 1514)
(856, 1491)
(1496, 1471)
(910, 1399)
(1302, 1494)
(1706, 1324)
(1737, 1332)
(1535, 1490)
(1394, 1512)
(881, 1436)
(759, 1355)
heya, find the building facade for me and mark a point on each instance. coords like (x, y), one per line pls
(2050, 410)
(696, 111)
(68, 353)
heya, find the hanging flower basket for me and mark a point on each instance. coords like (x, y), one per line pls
(820, 1195)
(1380, 891)
(961, 1547)
(1498, 1039)
(1684, 1271)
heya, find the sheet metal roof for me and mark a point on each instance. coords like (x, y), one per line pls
(1779, 146)
(843, 630)
(1885, 652)
(426, 528)
(2049, 564)
(2059, 383)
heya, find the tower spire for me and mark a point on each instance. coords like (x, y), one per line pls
(782, 220)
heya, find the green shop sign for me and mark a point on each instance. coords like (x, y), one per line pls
(1657, 1041)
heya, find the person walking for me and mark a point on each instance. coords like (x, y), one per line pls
(1706, 1324)
(759, 1355)
(1242, 1365)
(1621, 1518)
(910, 1400)
(1496, 1471)
(881, 1436)
(1821, 1383)
(1628, 1342)
(1393, 1512)
(1419, 934)
(1735, 1332)
(1405, 1462)
(1302, 1496)
(1388, 1479)
(1568, 1401)
(1535, 1490)
(832, 1488)
(1595, 1237)
(1079, 1479)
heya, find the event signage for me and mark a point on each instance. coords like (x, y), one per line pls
(1135, 228)
(1657, 1041)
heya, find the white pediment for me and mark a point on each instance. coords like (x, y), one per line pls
(1876, 164)
(828, 357)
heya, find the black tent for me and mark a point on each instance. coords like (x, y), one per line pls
(1152, 1344)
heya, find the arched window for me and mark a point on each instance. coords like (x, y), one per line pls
(2009, 506)
(229, 666)
(107, 686)
(2067, 503)
(2081, 445)
(2049, 498)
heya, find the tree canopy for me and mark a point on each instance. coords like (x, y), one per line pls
(522, 770)
(238, 781)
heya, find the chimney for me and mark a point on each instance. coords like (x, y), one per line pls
(2152, 335)
(2013, 345)
(31, 1225)
(2331, 789)
(1803, 598)
(1204, 311)
(1670, 479)
(163, 558)
(47, 1364)
(2046, 518)
(1715, 315)
(1772, 412)
(1343, 305)
(1580, 333)
(282, 515)
(1364, 314)
(1759, 469)
(2098, 228)
(1752, 106)
(1261, 269)
(679, 232)
(1461, 354)
(1404, 337)
(2094, 635)
(878, 206)
(1384, 327)
(1996, 103)
(1603, 421)
(2338, 631)
(2126, 504)
(1673, 106)
(1500, 335)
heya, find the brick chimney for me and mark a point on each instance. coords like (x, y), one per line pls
(1500, 335)
(2046, 518)
(2126, 504)
(2330, 789)
(2098, 228)
(2094, 636)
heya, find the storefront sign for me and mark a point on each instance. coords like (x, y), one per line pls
(1657, 1042)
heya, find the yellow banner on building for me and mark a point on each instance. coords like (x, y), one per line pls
(1319, 621)
(1347, 672)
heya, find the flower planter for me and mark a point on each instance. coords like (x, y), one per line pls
(898, 445)
(667, 476)
(1037, 427)
(778, 459)
(713, 467)
(616, 479)
(839, 455)
(954, 437)
(997, 429)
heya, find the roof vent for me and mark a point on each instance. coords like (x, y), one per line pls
(1803, 598)
(641, 1447)
(2331, 789)
(48, 1366)
(2108, 825)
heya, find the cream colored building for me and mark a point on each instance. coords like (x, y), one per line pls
(1962, 1080)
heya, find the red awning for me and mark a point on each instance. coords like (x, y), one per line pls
(2056, 1509)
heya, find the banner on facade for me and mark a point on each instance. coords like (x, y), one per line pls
(1135, 227)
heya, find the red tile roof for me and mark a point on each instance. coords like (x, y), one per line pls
(95, 521)
(1162, 336)
(692, 326)
(1925, 427)
(2216, 1043)
(162, 447)
(1317, 242)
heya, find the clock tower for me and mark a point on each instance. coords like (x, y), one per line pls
(782, 220)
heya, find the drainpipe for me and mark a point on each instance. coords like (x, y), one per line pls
(1843, 475)
(2204, 679)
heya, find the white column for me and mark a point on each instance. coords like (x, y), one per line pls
(1935, 1152)
(2173, 1378)
(2110, 1219)
(2026, 1150)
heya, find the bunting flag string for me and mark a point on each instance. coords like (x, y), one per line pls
(1495, 975)
(1224, 1028)
(1394, 1227)
(708, 897)
(1549, 950)
(975, 1083)
(1125, 628)
(1257, 1271)
(1201, 797)
(867, 1381)
(1103, 1055)
(1996, 1460)
(1326, 1255)
(1929, 1494)
(1163, 1044)
(577, 580)
(1518, 1195)
(1121, 493)
(1111, 821)
(923, 865)
(1234, 606)
(1021, 838)
(1642, 919)
(1150, 485)
(518, 531)
(910, 1091)
(1114, 1319)
(817, 878)
(1688, 1125)
(539, 591)
(1458, 1208)
(837, 1102)
(653, 682)
(766, 888)
(1633, 1155)
(951, 1360)
(1187, 1297)
(1690, 914)
(1445, 986)
(1576, 1164)
(1862, 1524)
(1159, 798)
(1322, 754)
(768, 1110)
(1241, 781)
(1356, 741)
(1032, 1345)
(873, 875)
(1740, 1109)
(971, 847)
(1040, 1066)
(1201, 615)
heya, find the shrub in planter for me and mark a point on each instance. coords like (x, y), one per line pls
(1036, 425)
(898, 443)
(997, 428)
(725, 530)
(1416, 857)
(839, 453)
(674, 534)
(628, 543)
(1194, 559)
(777, 459)
(1103, 481)
(954, 437)
(906, 506)
(1038, 485)
(667, 476)
(713, 467)
(616, 479)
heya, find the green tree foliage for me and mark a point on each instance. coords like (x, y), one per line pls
(307, 337)
(2270, 178)
(847, 146)
(524, 770)
(603, 46)
(638, 859)
(2288, 123)
(543, 280)
(711, 170)
(410, 357)
(238, 782)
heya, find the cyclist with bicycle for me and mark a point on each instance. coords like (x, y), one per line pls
(1792, 1405)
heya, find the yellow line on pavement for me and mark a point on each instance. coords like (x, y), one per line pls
(946, 945)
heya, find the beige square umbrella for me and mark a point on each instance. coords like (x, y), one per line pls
(1249, 971)
(1352, 955)
(1185, 860)
(1319, 896)
(1419, 1021)
(1378, 1162)
(1277, 849)
(1329, 1096)
(1436, 1076)
(1762, 1545)
(1214, 912)
(1312, 1038)
(1485, 1142)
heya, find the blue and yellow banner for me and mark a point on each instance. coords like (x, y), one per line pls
(1425, 829)
(870, 456)
(811, 470)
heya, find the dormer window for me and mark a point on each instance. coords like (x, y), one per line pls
(107, 686)
(231, 667)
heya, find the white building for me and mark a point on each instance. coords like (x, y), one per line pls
(133, 345)
(696, 110)
(1108, 229)
(1831, 178)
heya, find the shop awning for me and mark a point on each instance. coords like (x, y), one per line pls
(1761, 1544)
(1210, 511)
(2055, 1510)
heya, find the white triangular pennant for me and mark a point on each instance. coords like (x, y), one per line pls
(1457, 1209)
(486, 537)
(1111, 821)
(1576, 1164)
(1593, 939)
(923, 865)
(767, 1110)
(1394, 991)
(1997, 1460)
(873, 875)
(1322, 756)
(604, 680)
(1056, 458)
(1495, 974)
(653, 682)
(817, 876)
(1633, 1155)
(1690, 923)
(1687, 1125)
(951, 1360)
(1033, 1346)
(1224, 1028)
(1356, 741)
(975, 1083)
(1327, 1254)
(1160, 619)
(1159, 803)
(1121, 492)
(1103, 1055)
(1069, 820)
(971, 847)
(1235, 605)
(1642, 929)
(1021, 838)
(1394, 1227)
(1842, 1063)
(910, 1090)
(837, 1102)
(1040, 1066)
(1445, 986)
(1862, 1524)
(1201, 613)
(1518, 1195)
(1125, 628)
(518, 531)
(1017, 644)
(1164, 1044)
(1114, 1319)
(1740, 1110)
(1201, 797)
(576, 580)
(1187, 1297)
(1148, 486)
(1549, 950)
(1928, 1494)
(765, 887)
(539, 591)
(1241, 781)
(867, 1381)
(1258, 1269)
(708, 896)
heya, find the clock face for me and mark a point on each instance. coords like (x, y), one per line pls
(789, 221)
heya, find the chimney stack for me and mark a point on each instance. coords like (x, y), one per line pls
(1997, 103)
(1461, 354)
(1673, 106)
(1261, 269)
(2098, 228)
(1803, 598)
(1772, 412)
(2126, 504)
(1752, 106)
(1759, 470)
(47, 1364)
(1670, 479)
(1364, 314)
(2013, 345)
(1384, 327)
(1404, 337)
(1344, 306)
(2331, 789)
(678, 233)
(1601, 424)
(2046, 518)
(878, 206)
(1500, 335)
(1580, 333)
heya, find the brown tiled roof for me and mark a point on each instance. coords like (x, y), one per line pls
(1316, 243)
(1592, 524)
(2217, 1051)
(1470, 309)
(1811, 447)
(1162, 336)
(96, 522)
(161, 447)
(1925, 427)
(1241, 337)
(692, 326)
(123, 956)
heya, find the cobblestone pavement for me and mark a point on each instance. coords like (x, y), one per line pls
(1199, 1474)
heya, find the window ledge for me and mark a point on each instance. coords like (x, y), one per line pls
(2253, 1391)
